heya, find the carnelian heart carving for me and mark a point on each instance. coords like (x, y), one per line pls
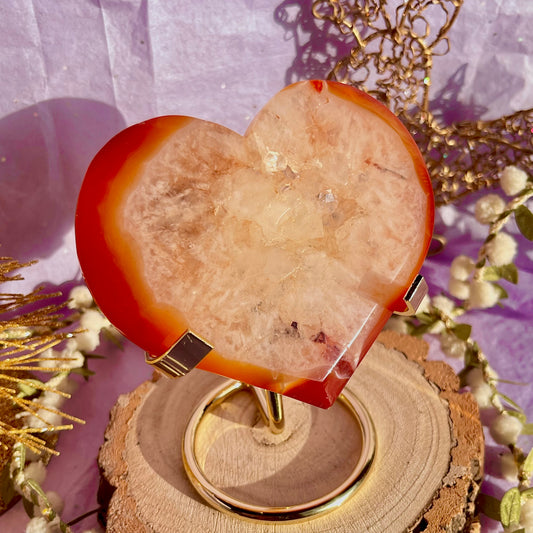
(287, 248)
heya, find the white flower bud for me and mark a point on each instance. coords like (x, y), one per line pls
(87, 341)
(474, 377)
(35, 471)
(505, 429)
(526, 515)
(80, 298)
(513, 180)
(51, 399)
(508, 468)
(482, 393)
(452, 346)
(512, 528)
(461, 268)
(38, 525)
(459, 289)
(93, 320)
(483, 294)
(396, 323)
(47, 358)
(74, 359)
(44, 419)
(444, 304)
(501, 250)
(62, 383)
(488, 208)
(55, 500)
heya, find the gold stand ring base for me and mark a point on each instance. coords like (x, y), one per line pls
(223, 501)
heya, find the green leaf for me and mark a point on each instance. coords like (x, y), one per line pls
(510, 507)
(462, 331)
(527, 494)
(490, 506)
(418, 331)
(507, 272)
(521, 416)
(481, 263)
(85, 372)
(425, 318)
(512, 403)
(528, 429)
(28, 507)
(491, 274)
(524, 221)
(113, 338)
(94, 356)
(502, 291)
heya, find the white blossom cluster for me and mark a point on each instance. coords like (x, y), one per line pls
(72, 356)
(471, 283)
(466, 282)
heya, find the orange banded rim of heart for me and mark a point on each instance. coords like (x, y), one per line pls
(222, 501)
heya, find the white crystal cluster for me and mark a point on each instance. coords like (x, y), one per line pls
(283, 247)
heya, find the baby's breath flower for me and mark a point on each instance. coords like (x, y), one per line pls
(74, 359)
(461, 268)
(452, 346)
(87, 341)
(488, 208)
(93, 320)
(459, 289)
(505, 429)
(508, 468)
(35, 471)
(38, 524)
(526, 515)
(80, 298)
(444, 304)
(44, 417)
(396, 323)
(52, 399)
(513, 180)
(474, 377)
(47, 358)
(62, 383)
(482, 393)
(501, 250)
(483, 294)
(55, 501)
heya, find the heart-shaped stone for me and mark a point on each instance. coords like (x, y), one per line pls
(286, 249)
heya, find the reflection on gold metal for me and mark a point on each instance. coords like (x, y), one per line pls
(270, 405)
(414, 296)
(224, 502)
(188, 351)
(392, 59)
(438, 242)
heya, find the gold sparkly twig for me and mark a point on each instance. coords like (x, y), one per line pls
(392, 59)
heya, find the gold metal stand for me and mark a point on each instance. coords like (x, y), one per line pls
(271, 409)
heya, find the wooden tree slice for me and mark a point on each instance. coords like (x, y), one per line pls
(425, 476)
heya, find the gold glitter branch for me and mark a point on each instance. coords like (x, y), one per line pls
(392, 59)
(24, 339)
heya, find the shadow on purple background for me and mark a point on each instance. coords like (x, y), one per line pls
(44, 152)
(317, 43)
